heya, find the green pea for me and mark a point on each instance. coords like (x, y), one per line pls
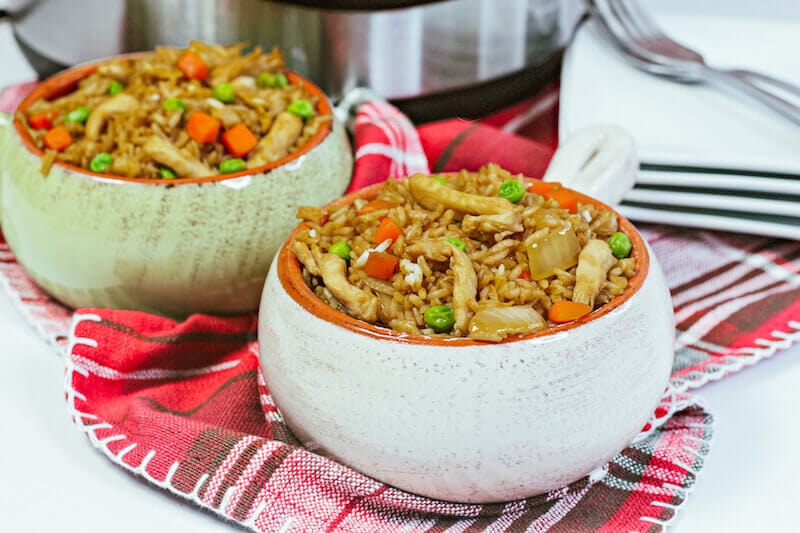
(224, 92)
(440, 318)
(232, 165)
(302, 108)
(272, 80)
(461, 245)
(174, 104)
(101, 162)
(265, 80)
(115, 87)
(511, 190)
(440, 180)
(166, 173)
(620, 245)
(79, 115)
(342, 249)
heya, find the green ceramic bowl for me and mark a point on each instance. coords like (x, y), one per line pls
(171, 247)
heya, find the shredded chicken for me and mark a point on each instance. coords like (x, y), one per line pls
(233, 114)
(278, 141)
(91, 86)
(605, 224)
(234, 67)
(594, 262)
(304, 255)
(121, 103)
(244, 83)
(164, 152)
(431, 194)
(359, 303)
(115, 69)
(508, 221)
(465, 282)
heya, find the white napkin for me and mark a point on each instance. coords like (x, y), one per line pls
(710, 159)
(692, 125)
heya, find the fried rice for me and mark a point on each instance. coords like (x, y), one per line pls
(461, 247)
(132, 100)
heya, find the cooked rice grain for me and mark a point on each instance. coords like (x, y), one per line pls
(498, 263)
(151, 79)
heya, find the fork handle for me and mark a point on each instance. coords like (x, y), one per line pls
(760, 77)
(757, 92)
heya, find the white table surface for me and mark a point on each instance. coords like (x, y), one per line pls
(52, 479)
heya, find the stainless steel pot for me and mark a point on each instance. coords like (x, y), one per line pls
(429, 48)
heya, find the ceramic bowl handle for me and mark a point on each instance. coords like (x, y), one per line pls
(600, 161)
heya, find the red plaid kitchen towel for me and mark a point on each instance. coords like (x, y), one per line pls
(183, 404)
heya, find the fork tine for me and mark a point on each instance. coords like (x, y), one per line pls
(640, 19)
(621, 17)
(651, 37)
(616, 26)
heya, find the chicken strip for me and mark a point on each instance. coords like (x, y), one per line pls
(121, 103)
(118, 70)
(594, 262)
(465, 282)
(277, 142)
(304, 255)
(164, 152)
(359, 303)
(430, 194)
(508, 221)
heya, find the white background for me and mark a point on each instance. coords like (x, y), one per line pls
(52, 479)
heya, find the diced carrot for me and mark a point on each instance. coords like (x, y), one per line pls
(239, 140)
(387, 229)
(203, 128)
(565, 311)
(43, 120)
(544, 187)
(566, 198)
(57, 138)
(193, 66)
(375, 205)
(380, 265)
(525, 275)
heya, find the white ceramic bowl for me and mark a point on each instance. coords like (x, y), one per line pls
(462, 420)
(173, 247)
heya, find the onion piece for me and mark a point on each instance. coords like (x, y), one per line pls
(379, 286)
(496, 323)
(556, 251)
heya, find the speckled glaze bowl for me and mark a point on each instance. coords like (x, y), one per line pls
(172, 247)
(462, 420)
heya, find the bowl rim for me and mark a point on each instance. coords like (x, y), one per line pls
(65, 81)
(291, 279)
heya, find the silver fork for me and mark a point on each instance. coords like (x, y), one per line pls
(651, 50)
